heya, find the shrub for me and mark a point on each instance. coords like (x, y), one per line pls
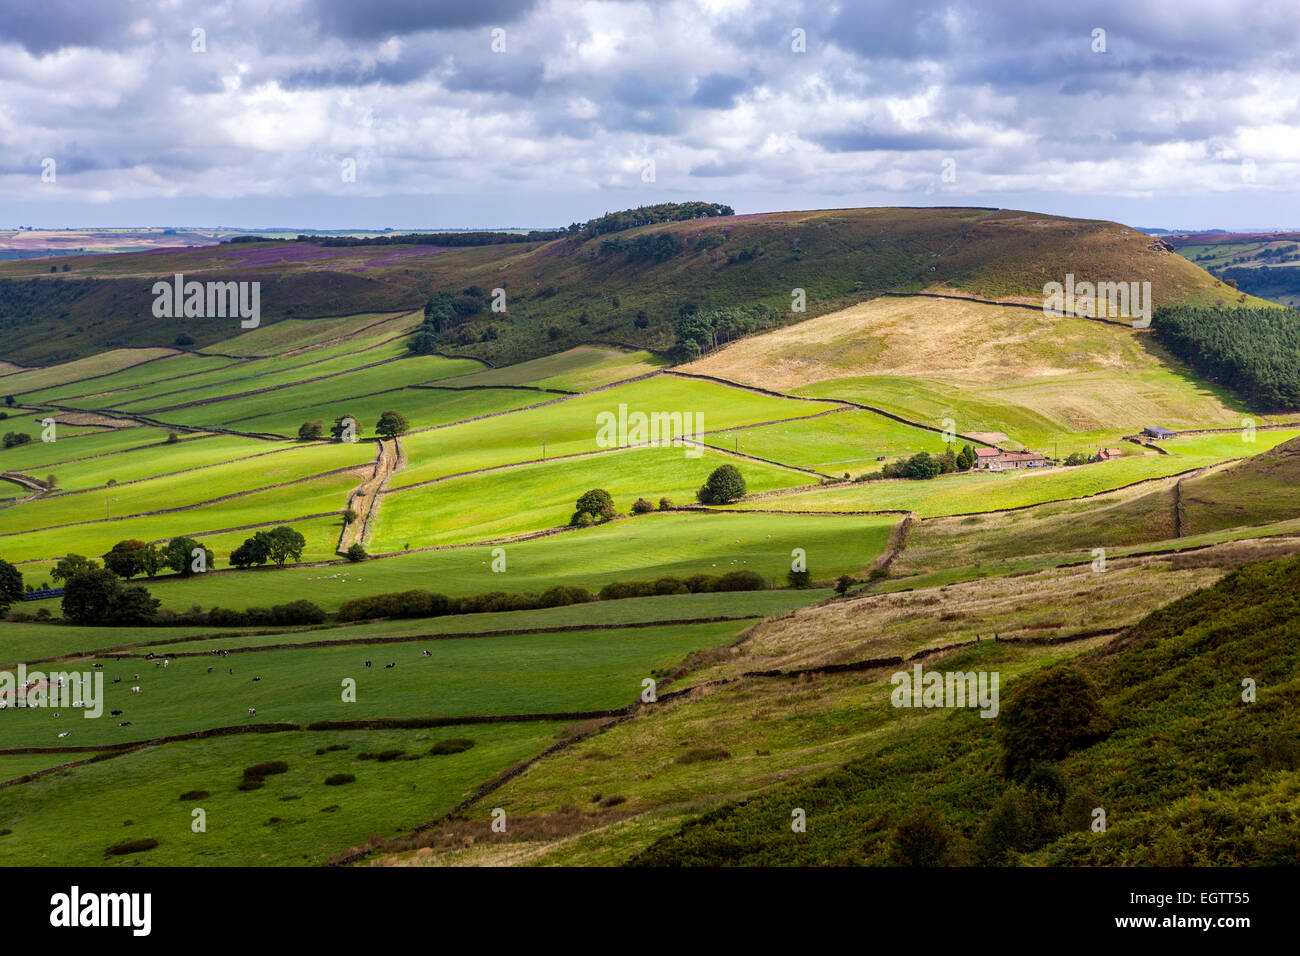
(184, 340)
(1019, 822)
(131, 846)
(251, 783)
(311, 431)
(799, 579)
(266, 769)
(357, 552)
(740, 581)
(641, 506)
(843, 583)
(338, 779)
(922, 840)
(665, 504)
(702, 583)
(194, 795)
(452, 745)
(172, 438)
(1051, 714)
(582, 519)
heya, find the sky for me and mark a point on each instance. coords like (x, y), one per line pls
(427, 114)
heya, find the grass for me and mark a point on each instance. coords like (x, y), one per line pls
(498, 675)
(104, 363)
(572, 426)
(179, 491)
(641, 548)
(301, 333)
(536, 497)
(831, 444)
(983, 491)
(175, 369)
(315, 823)
(578, 369)
(275, 506)
(423, 407)
(147, 457)
(40, 455)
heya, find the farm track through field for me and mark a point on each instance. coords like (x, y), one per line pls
(365, 500)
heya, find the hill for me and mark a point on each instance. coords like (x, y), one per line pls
(628, 286)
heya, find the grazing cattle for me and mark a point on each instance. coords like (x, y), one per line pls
(428, 653)
(367, 663)
(257, 678)
(135, 690)
(252, 712)
(137, 677)
(66, 733)
(209, 670)
(115, 713)
(387, 666)
(96, 665)
(125, 723)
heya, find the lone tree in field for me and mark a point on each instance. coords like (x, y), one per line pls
(725, 485)
(357, 552)
(596, 504)
(391, 424)
(311, 431)
(284, 544)
(11, 585)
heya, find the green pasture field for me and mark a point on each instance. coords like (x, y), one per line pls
(570, 426)
(423, 407)
(830, 444)
(508, 674)
(240, 375)
(271, 507)
(288, 334)
(1052, 414)
(539, 496)
(21, 420)
(641, 548)
(174, 369)
(15, 383)
(579, 369)
(396, 374)
(314, 822)
(189, 488)
(332, 366)
(13, 766)
(979, 492)
(1229, 444)
(45, 456)
(153, 459)
(34, 641)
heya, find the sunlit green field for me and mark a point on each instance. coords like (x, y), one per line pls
(983, 491)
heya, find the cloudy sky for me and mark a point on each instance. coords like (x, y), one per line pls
(443, 113)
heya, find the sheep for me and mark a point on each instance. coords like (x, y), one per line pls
(136, 689)
(252, 712)
(66, 733)
(428, 653)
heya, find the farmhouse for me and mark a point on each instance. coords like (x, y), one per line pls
(1156, 432)
(992, 459)
(1106, 454)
